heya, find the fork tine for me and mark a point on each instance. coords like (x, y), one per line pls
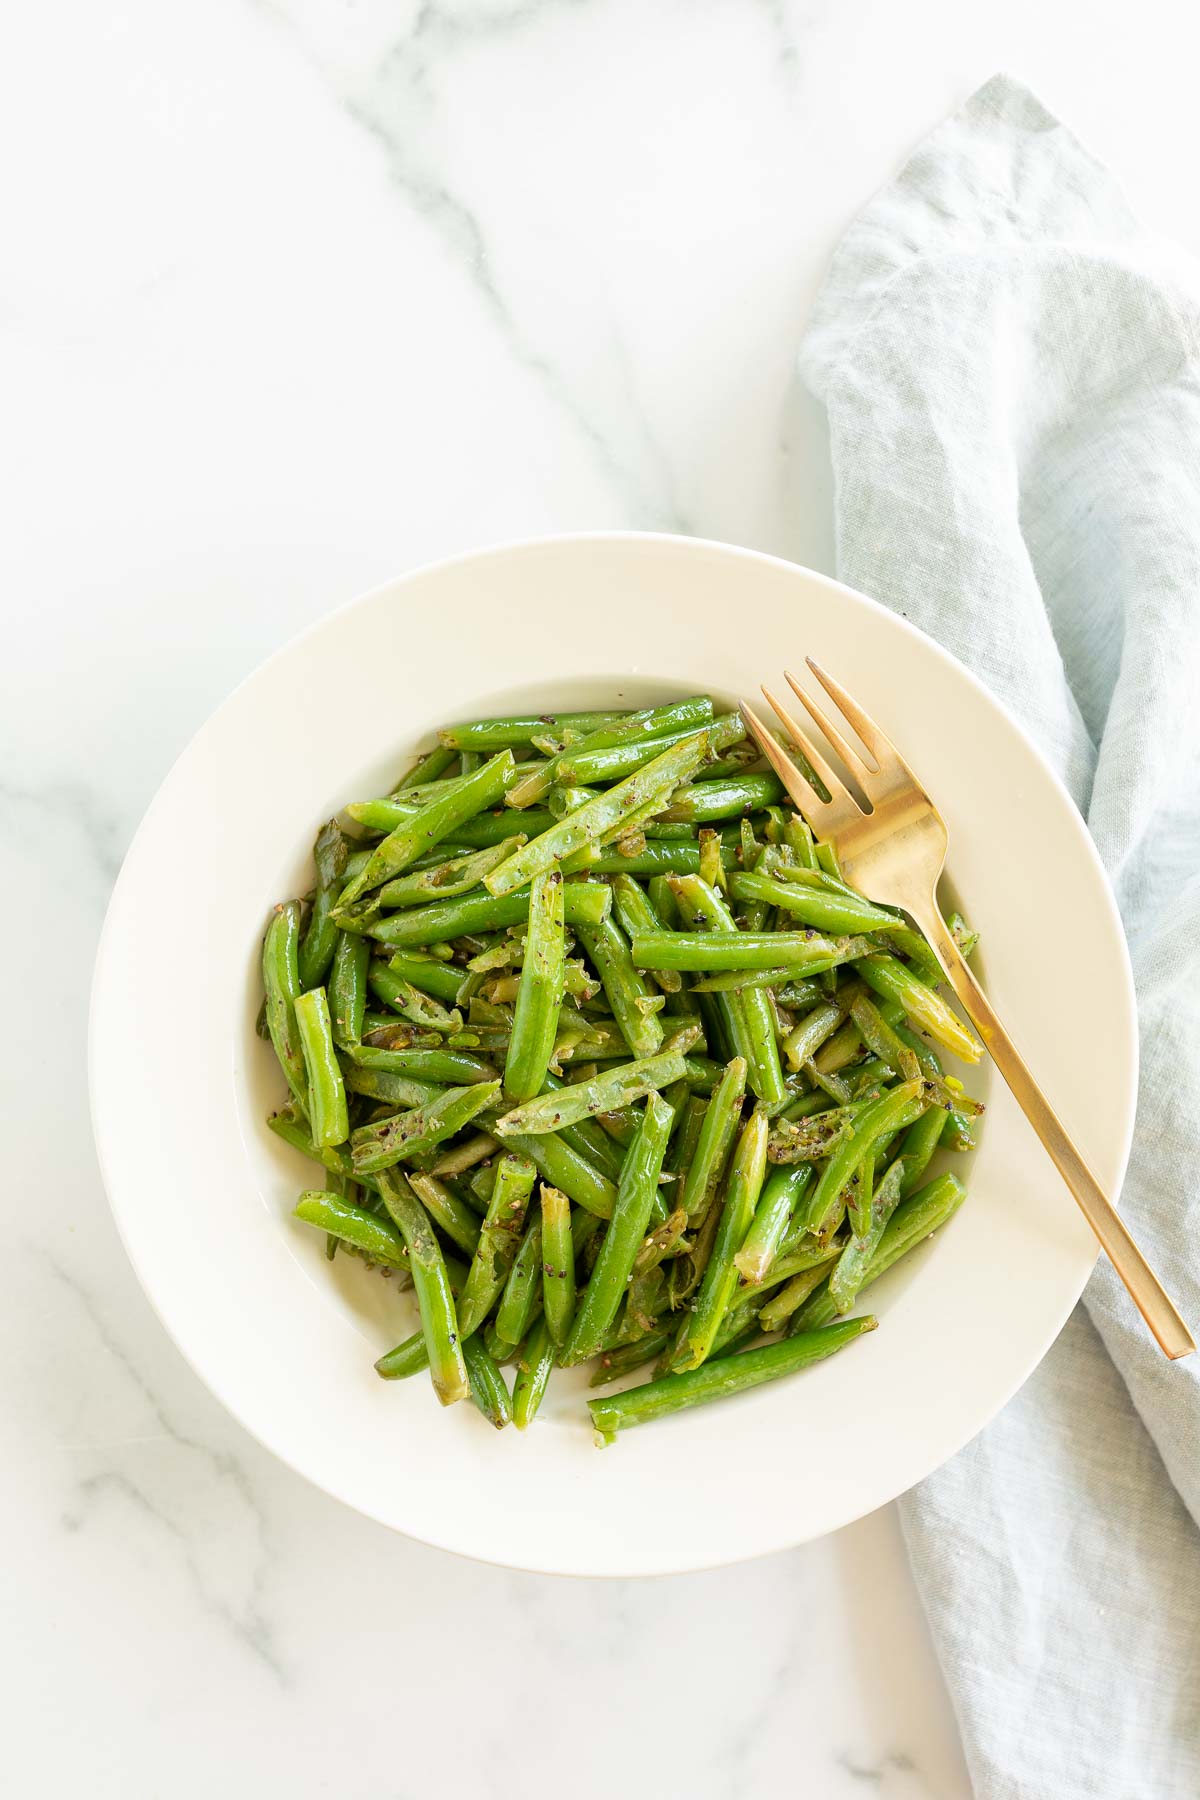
(833, 782)
(815, 810)
(845, 749)
(877, 741)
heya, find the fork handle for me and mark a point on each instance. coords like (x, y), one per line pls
(1146, 1291)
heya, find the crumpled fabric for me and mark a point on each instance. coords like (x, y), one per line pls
(1011, 373)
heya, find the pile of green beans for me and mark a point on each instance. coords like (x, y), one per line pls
(601, 1055)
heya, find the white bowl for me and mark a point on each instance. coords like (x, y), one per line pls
(202, 1191)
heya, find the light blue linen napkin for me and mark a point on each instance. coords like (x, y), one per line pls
(1011, 368)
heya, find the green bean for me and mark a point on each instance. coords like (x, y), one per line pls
(655, 727)
(738, 980)
(701, 950)
(847, 914)
(916, 1151)
(715, 1141)
(460, 1157)
(646, 1295)
(588, 1138)
(434, 1299)
(656, 858)
(281, 980)
(584, 765)
(704, 801)
(631, 1215)
(558, 1264)
(484, 829)
(583, 902)
(563, 1167)
(805, 1138)
(534, 1366)
(913, 1220)
(923, 1005)
(348, 988)
(617, 1087)
(511, 733)
(320, 939)
(470, 795)
(730, 1374)
(783, 1191)
(742, 1188)
(499, 1238)
(446, 1066)
(326, 1090)
(636, 913)
(625, 1358)
(523, 1289)
(408, 1358)
(624, 988)
(802, 1044)
(391, 1088)
(750, 1012)
(850, 1270)
(607, 810)
(498, 1349)
(366, 1231)
(451, 1215)
(540, 991)
(789, 1298)
(898, 1107)
(427, 767)
(488, 1388)
(447, 880)
(378, 1146)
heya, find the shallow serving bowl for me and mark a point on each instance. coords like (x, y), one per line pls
(202, 1191)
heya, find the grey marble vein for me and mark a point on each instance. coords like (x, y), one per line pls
(393, 96)
(243, 1613)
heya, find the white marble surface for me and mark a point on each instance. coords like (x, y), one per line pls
(293, 295)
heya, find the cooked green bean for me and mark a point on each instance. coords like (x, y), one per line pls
(484, 829)
(624, 986)
(523, 1289)
(894, 1109)
(540, 990)
(321, 935)
(743, 1185)
(326, 1091)
(432, 1283)
(783, 1191)
(281, 980)
(923, 1005)
(488, 1388)
(729, 1374)
(378, 1146)
(559, 1163)
(586, 766)
(734, 950)
(558, 1264)
(715, 1142)
(849, 1272)
(376, 1236)
(428, 767)
(584, 902)
(348, 988)
(502, 734)
(499, 1238)
(846, 914)
(452, 1216)
(534, 1366)
(470, 795)
(729, 799)
(617, 1087)
(631, 1215)
(914, 1219)
(607, 810)
(389, 1087)
(445, 1066)
(750, 1013)
(446, 880)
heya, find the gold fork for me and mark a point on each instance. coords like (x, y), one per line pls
(894, 853)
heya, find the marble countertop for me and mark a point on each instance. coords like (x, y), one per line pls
(296, 294)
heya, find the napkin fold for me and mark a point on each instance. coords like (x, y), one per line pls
(1011, 369)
